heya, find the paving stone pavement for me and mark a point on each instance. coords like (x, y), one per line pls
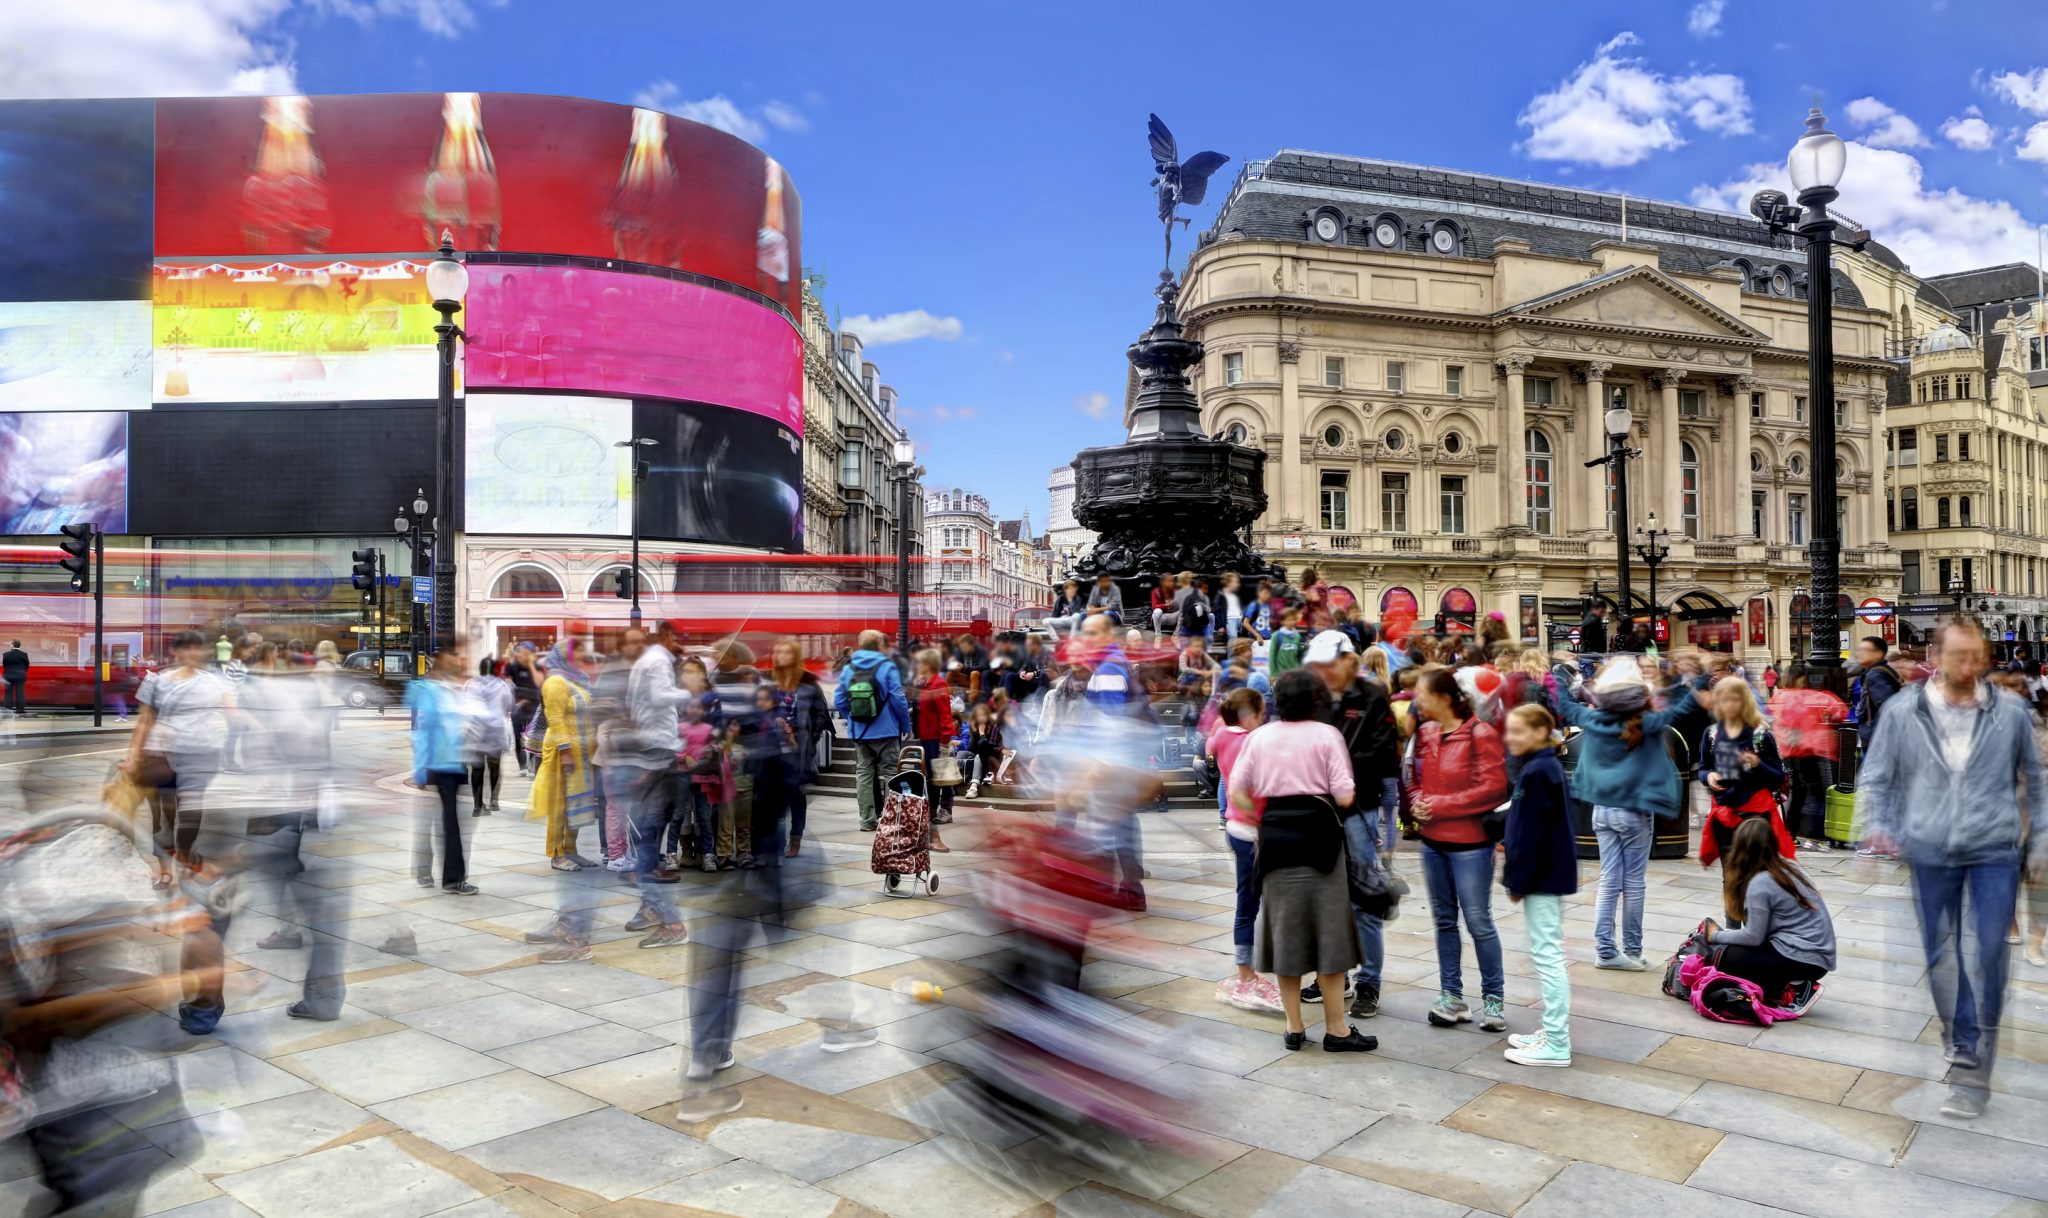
(467, 1080)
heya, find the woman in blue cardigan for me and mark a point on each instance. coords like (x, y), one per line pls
(1624, 772)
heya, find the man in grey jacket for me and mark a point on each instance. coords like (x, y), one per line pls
(1941, 789)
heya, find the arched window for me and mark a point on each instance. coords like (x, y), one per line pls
(526, 583)
(1941, 512)
(1536, 472)
(1689, 489)
(606, 582)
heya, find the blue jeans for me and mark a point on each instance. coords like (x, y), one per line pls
(1390, 815)
(1624, 835)
(1247, 899)
(646, 793)
(1359, 829)
(1969, 993)
(1461, 881)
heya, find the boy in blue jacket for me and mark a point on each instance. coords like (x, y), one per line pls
(870, 698)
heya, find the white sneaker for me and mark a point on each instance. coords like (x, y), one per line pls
(973, 789)
(621, 863)
(1525, 1040)
(1624, 964)
(699, 1071)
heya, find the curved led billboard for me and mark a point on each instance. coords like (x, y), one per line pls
(551, 464)
(388, 173)
(575, 328)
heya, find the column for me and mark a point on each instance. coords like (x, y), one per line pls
(1739, 483)
(1514, 511)
(1589, 486)
(1292, 472)
(1668, 494)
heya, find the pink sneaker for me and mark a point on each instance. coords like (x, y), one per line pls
(1228, 990)
(1265, 996)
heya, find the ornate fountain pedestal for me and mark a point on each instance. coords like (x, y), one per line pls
(1169, 498)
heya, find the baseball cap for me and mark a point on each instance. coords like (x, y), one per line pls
(1327, 646)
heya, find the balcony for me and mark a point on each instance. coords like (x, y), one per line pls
(1375, 545)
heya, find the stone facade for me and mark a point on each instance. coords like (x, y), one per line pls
(1425, 356)
(851, 498)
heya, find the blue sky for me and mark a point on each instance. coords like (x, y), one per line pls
(984, 165)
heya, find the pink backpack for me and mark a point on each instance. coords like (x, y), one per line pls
(1693, 976)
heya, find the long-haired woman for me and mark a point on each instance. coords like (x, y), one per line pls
(1782, 931)
(1463, 769)
(800, 700)
(1739, 765)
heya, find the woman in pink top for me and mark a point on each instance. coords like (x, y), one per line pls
(1289, 779)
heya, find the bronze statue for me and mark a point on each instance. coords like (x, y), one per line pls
(1178, 181)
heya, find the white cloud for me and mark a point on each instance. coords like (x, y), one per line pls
(1704, 21)
(1882, 126)
(1969, 132)
(1094, 405)
(902, 327)
(2027, 90)
(784, 117)
(142, 48)
(946, 414)
(1615, 110)
(179, 48)
(2033, 146)
(1935, 231)
(722, 112)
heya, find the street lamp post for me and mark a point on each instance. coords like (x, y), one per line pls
(1618, 422)
(1815, 166)
(906, 467)
(447, 283)
(1956, 590)
(1652, 553)
(412, 530)
(639, 476)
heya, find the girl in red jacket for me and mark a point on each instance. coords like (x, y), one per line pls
(1463, 776)
(931, 719)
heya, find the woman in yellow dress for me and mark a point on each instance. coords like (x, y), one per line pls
(564, 788)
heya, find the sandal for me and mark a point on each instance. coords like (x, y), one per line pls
(565, 864)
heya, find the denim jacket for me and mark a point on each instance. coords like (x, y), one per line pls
(1952, 817)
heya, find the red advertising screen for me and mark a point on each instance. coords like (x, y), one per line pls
(646, 336)
(503, 171)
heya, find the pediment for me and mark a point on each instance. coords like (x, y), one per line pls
(1638, 299)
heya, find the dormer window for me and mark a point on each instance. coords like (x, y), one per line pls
(1326, 224)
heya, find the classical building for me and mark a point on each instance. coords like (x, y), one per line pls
(1426, 356)
(981, 567)
(1968, 460)
(1064, 535)
(851, 496)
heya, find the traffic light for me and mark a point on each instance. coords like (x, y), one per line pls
(77, 547)
(363, 576)
(622, 582)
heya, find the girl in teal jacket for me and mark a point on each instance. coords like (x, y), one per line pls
(1624, 772)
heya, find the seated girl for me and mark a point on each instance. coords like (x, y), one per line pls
(1782, 932)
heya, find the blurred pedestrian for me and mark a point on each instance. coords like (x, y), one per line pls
(1952, 782)
(562, 794)
(1806, 720)
(493, 728)
(520, 668)
(442, 716)
(14, 671)
(800, 701)
(175, 750)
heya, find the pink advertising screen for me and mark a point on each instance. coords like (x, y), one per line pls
(610, 332)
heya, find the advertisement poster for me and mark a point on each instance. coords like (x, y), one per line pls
(547, 464)
(59, 469)
(74, 355)
(75, 201)
(1532, 621)
(555, 327)
(500, 171)
(301, 331)
(719, 475)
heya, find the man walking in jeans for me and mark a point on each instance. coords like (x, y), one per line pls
(870, 698)
(1941, 790)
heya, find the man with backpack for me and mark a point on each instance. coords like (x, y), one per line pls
(870, 698)
(1875, 686)
(1941, 789)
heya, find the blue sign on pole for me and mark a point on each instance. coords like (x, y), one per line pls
(422, 589)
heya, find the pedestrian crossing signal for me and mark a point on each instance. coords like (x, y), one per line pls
(622, 583)
(77, 547)
(363, 576)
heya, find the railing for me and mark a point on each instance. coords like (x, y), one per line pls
(1342, 541)
(1466, 545)
(1405, 545)
(1717, 551)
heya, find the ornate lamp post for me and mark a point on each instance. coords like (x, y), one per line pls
(1617, 422)
(1815, 167)
(447, 283)
(1652, 552)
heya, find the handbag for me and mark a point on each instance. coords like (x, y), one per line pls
(154, 770)
(1374, 889)
(1494, 823)
(946, 771)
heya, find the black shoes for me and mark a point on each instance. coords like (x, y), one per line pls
(1294, 1041)
(1367, 1003)
(464, 889)
(1353, 1041)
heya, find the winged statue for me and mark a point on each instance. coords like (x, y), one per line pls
(1178, 181)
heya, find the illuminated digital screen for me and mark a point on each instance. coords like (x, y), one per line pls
(573, 328)
(320, 330)
(58, 469)
(500, 171)
(546, 463)
(74, 355)
(75, 198)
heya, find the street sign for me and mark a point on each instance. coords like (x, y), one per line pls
(1874, 610)
(1291, 541)
(422, 589)
(1574, 636)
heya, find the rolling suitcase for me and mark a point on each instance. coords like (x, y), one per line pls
(1841, 816)
(903, 836)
